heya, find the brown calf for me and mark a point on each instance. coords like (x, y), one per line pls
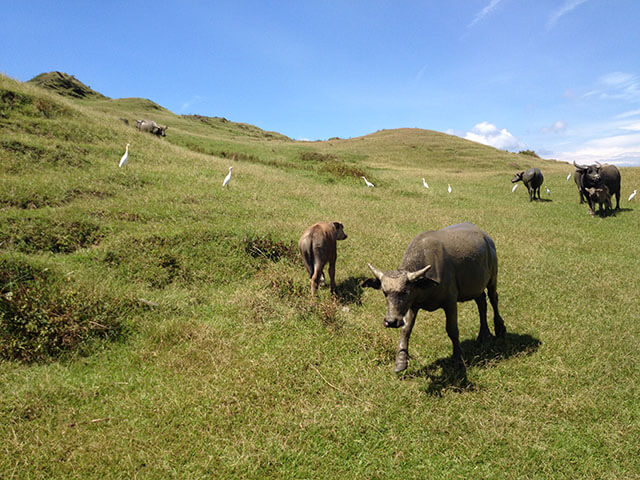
(601, 196)
(318, 246)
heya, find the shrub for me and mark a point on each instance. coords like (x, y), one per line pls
(31, 235)
(531, 153)
(43, 314)
(266, 247)
(331, 164)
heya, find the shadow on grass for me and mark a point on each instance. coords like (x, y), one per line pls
(543, 200)
(349, 291)
(445, 374)
(613, 212)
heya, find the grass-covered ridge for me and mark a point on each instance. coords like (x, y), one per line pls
(64, 84)
(159, 326)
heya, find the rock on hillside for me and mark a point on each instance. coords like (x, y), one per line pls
(66, 85)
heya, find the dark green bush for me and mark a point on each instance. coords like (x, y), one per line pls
(331, 164)
(267, 247)
(31, 235)
(43, 314)
(531, 153)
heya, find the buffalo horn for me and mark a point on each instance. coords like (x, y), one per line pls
(411, 276)
(579, 167)
(375, 271)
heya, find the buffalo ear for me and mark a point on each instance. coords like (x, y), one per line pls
(338, 225)
(371, 283)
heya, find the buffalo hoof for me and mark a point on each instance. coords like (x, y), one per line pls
(484, 337)
(500, 329)
(458, 362)
(402, 361)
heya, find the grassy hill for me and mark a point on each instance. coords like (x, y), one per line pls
(65, 85)
(156, 325)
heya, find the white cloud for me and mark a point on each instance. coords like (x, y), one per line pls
(195, 100)
(631, 113)
(485, 11)
(634, 127)
(616, 149)
(421, 72)
(558, 127)
(488, 134)
(617, 86)
(565, 8)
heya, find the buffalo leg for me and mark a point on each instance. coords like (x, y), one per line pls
(315, 278)
(451, 313)
(332, 276)
(402, 358)
(484, 334)
(498, 323)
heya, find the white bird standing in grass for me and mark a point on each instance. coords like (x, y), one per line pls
(368, 183)
(632, 195)
(424, 182)
(547, 189)
(449, 188)
(125, 157)
(514, 187)
(568, 177)
(227, 178)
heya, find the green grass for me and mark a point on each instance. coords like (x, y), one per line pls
(215, 363)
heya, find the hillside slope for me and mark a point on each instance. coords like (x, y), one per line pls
(157, 325)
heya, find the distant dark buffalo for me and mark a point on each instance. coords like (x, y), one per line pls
(151, 127)
(595, 176)
(439, 269)
(532, 179)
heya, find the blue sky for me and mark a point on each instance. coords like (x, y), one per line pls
(560, 77)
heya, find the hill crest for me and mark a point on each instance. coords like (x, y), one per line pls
(65, 85)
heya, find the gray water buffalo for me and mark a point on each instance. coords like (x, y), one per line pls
(439, 269)
(602, 197)
(595, 176)
(151, 127)
(318, 247)
(532, 179)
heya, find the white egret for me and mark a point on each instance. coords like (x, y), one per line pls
(424, 182)
(227, 178)
(632, 195)
(368, 183)
(449, 187)
(547, 189)
(568, 177)
(514, 187)
(125, 157)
